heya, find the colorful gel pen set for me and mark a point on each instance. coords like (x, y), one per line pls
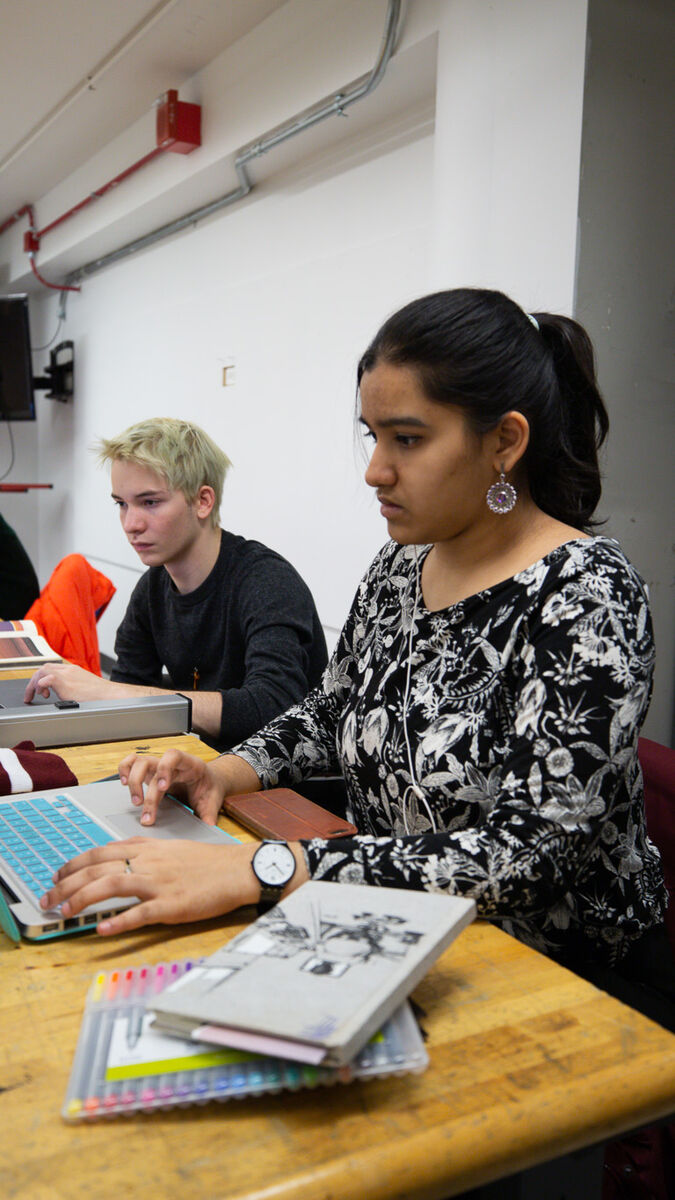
(122, 1066)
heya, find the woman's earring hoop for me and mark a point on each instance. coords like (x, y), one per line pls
(502, 496)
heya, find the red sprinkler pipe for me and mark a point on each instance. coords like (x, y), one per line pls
(101, 191)
(31, 243)
(178, 130)
(57, 287)
(27, 210)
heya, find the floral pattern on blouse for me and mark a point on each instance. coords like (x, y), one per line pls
(490, 749)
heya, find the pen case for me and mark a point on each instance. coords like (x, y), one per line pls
(283, 813)
(121, 1067)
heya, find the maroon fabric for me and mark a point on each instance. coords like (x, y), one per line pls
(641, 1166)
(45, 769)
(658, 771)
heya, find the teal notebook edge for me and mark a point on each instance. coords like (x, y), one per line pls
(7, 921)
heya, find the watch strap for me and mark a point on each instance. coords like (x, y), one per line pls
(269, 896)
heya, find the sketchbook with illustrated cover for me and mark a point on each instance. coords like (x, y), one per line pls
(22, 646)
(317, 975)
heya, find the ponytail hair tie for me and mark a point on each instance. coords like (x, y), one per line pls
(533, 320)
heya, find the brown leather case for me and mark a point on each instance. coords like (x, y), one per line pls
(282, 813)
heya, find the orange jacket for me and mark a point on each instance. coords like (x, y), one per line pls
(68, 607)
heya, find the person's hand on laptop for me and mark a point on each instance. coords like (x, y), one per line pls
(202, 785)
(174, 881)
(69, 682)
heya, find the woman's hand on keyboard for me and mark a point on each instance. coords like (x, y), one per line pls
(174, 881)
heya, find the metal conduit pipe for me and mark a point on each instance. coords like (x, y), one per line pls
(332, 106)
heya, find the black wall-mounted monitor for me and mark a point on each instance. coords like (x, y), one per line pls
(17, 402)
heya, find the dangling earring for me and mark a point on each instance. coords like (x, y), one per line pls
(502, 496)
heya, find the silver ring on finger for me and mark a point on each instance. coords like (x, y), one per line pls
(128, 870)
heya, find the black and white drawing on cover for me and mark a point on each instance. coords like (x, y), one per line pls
(323, 969)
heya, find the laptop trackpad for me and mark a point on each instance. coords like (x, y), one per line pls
(170, 823)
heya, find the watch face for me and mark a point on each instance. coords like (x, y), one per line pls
(274, 863)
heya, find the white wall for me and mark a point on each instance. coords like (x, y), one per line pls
(507, 148)
(21, 509)
(293, 287)
(292, 284)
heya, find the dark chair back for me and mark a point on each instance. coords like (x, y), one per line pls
(658, 771)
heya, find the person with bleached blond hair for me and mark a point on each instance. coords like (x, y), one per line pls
(228, 620)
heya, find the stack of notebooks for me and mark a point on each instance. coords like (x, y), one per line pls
(314, 992)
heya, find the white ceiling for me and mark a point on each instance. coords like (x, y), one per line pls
(75, 73)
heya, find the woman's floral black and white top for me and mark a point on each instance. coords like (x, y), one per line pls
(513, 778)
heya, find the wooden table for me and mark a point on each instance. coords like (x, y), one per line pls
(527, 1062)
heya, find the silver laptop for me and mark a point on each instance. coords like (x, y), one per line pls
(53, 722)
(41, 830)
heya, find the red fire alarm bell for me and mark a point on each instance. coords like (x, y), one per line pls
(178, 124)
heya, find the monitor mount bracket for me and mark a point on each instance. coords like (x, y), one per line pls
(58, 380)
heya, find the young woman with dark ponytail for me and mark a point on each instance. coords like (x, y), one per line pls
(485, 697)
